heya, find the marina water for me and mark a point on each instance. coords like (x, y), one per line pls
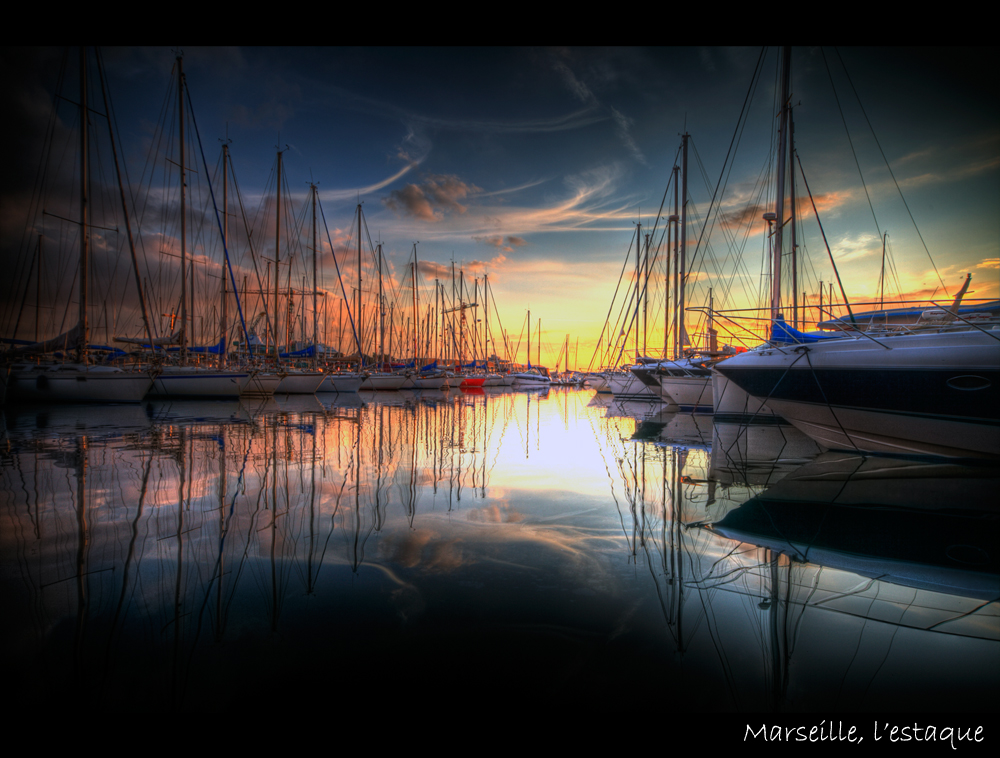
(557, 544)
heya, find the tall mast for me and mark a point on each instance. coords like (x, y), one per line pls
(529, 339)
(779, 202)
(84, 210)
(791, 203)
(461, 317)
(645, 300)
(475, 329)
(682, 263)
(277, 257)
(180, 104)
(486, 321)
(638, 291)
(381, 314)
(361, 315)
(224, 325)
(315, 360)
(676, 219)
(415, 309)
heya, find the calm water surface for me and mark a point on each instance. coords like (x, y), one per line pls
(557, 545)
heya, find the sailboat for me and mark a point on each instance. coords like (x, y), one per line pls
(685, 382)
(428, 377)
(533, 376)
(295, 381)
(623, 382)
(184, 380)
(78, 382)
(373, 380)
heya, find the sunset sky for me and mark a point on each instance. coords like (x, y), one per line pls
(534, 164)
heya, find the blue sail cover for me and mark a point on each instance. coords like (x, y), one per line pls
(429, 367)
(214, 349)
(784, 334)
(306, 352)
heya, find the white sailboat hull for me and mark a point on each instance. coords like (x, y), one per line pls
(77, 384)
(304, 383)
(260, 383)
(386, 382)
(341, 383)
(191, 382)
(429, 383)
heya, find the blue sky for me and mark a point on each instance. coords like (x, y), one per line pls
(533, 164)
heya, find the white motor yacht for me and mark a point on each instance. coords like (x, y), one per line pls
(933, 392)
(532, 377)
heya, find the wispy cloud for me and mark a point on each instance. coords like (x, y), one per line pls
(585, 94)
(623, 126)
(556, 123)
(848, 249)
(580, 90)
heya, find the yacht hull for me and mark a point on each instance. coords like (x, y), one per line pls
(531, 380)
(693, 394)
(928, 394)
(627, 386)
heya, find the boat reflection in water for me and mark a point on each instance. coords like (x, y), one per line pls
(184, 554)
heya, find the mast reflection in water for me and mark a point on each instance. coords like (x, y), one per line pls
(182, 555)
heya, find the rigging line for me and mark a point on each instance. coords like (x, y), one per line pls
(600, 339)
(851, 142)
(832, 263)
(39, 183)
(737, 249)
(250, 241)
(113, 119)
(733, 142)
(666, 192)
(347, 302)
(898, 189)
(621, 333)
(218, 220)
(121, 189)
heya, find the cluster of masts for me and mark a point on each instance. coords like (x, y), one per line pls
(171, 365)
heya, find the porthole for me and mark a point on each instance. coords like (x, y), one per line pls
(969, 382)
